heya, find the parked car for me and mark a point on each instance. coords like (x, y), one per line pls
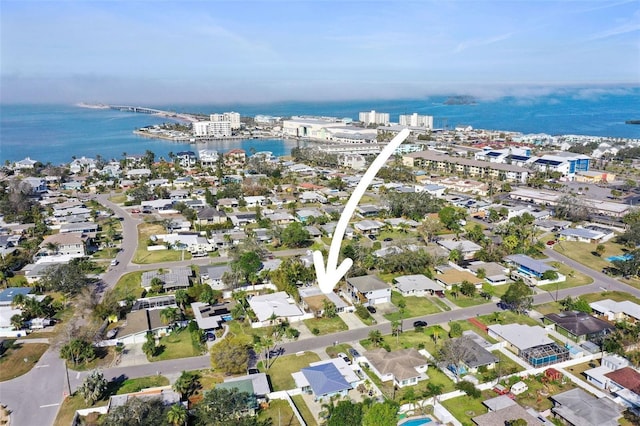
(114, 262)
(419, 323)
(253, 371)
(354, 353)
(372, 237)
(551, 242)
(135, 211)
(388, 239)
(371, 309)
(344, 357)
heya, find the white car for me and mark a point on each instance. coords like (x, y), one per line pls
(114, 262)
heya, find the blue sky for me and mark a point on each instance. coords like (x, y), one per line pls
(263, 51)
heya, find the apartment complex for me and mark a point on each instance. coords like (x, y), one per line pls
(415, 120)
(373, 117)
(438, 161)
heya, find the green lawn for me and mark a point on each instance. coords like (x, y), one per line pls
(464, 408)
(282, 367)
(304, 410)
(176, 345)
(142, 256)
(333, 351)
(128, 285)
(415, 307)
(464, 301)
(19, 359)
(240, 328)
(136, 385)
(326, 325)
(584, 253)
(507, 317)
(118, 199)
(280, 413)
(408, 339)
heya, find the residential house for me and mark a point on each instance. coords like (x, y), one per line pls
(81, 227)
(494, 273)
(529, 269)
(211, 216)
(256, 385)
(617, 311)
(450, 277)
(467, 248)
(235, 158)
(241, 219)
(312, 197)
(69, 244)
(212, 275)
(417, 285)
(186, 159)
(368, 290)
(255, 200)
(228, 203)
(585, 235)
(326, 379)
(277, 307)
(579, 408)
(172, 279)
(368, 210)
(304, 214)
(597, 376)
(580, 326)
(209, 317)
(404, 367)
(312, 300)
(475, 357)
(37, 185)
(503, 410)
(625, 385)
(369, 227)
(139, 323)
(530, 343)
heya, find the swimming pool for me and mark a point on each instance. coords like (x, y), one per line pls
(622, 257)
(416, 422)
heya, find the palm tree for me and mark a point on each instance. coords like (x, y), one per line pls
(169, 315)
(17, 322)
(177, 415)
(375, 337)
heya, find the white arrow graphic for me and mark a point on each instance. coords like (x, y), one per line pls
(329, 277)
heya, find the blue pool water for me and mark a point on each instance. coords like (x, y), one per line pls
(623, 257)
(416, 422)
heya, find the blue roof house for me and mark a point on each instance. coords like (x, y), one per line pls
(323, 381)
(531, 270)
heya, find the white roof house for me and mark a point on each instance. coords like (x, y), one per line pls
(416, 285)
(616, 310)
(279, 304)
(520, 336)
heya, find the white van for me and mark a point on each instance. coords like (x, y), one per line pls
(114, 262)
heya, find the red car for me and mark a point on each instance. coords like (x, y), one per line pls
(135, 211)
(551, 242)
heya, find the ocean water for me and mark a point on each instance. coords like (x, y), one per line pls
(56, 133)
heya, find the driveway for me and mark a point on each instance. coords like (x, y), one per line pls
(352, 320)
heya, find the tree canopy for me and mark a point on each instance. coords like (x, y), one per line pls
(518, 297)
(231, 355)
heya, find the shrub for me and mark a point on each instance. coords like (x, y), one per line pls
(315, 331)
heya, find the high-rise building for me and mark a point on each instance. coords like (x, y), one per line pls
(232, 117)
(415, 120)
(373, 117)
